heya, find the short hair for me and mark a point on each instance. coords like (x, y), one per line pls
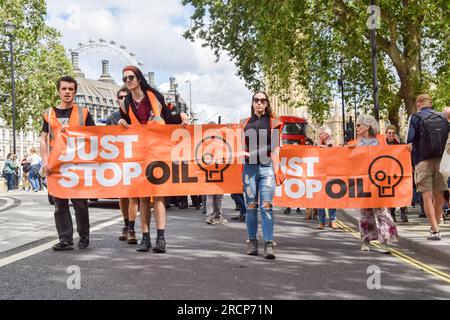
(325, 129)
(66, 79)
(390, 127)
(33, 150)
(423, 97)
(122, 88)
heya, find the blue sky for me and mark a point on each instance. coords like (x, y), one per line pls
(152, 29)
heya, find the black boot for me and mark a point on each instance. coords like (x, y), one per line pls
(403, 214)
(160, 245)
(145, 245)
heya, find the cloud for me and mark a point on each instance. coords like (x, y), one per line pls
(153, 31)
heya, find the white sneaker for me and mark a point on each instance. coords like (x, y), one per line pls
(220, 221)
(384, 249)
(210, 220)
(434, 235)
(365, 246)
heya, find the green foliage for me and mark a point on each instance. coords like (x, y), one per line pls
(292, 42)
(39, 60)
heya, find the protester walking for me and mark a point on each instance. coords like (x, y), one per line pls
(261, 171)
(66, 114)
(374, 223)
(326, 141)
(145, 105)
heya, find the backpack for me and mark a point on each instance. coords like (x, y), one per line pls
(433, 130)
(26, 167)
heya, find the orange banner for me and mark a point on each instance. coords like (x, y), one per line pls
(169, 160)
(363, 177)
(155, 160)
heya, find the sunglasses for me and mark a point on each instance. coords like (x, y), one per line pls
(121, 97)
(128, 78)
(262, 100)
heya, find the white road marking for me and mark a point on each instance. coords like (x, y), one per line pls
(9, 203)
(48, 245)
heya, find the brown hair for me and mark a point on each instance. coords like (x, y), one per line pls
(122, 89)
(268, 109)
(68, 79)
(390, 127)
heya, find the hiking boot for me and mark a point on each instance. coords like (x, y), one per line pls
(269, 251)
(252, 247)
(365, 246)
(83, 243)
(145, 245)
(160, 245)
(131, 237)
(321, 226)
(333, 225)
(124, 235)
(63, 246)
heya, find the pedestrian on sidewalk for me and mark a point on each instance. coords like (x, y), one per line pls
(145, 105)
(66, 114)
(262, 172)
(326, 141)
(35, 162)
(374, 223)
(427, 136)
(9, 170)
(393, 139)
(214, 209)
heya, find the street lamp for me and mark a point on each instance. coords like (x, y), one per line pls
(190, 96)
(341, 85)
(10, 29)
(373, 43)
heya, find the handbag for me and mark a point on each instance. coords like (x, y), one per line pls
(444, 166)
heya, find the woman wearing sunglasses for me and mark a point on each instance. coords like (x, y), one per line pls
(261, 171)
(144, 105)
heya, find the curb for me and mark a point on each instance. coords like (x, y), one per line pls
(432, 251)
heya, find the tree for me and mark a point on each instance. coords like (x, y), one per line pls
(285, 41)
(39, 61)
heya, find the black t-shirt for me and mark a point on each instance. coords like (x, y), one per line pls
(258, 128)
(63, 116)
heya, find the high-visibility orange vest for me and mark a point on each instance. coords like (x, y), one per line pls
(77, 119)
(156, 107)
(274, 154)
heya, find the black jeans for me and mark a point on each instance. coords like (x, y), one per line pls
(63, 219)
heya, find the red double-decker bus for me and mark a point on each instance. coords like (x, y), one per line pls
(294, 131)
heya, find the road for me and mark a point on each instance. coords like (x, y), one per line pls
(202, 261)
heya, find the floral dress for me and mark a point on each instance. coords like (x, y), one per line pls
(376, 223)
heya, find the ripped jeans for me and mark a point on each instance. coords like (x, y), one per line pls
(259, 189)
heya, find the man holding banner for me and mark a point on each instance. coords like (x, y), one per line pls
(144, 105)
(57, 119)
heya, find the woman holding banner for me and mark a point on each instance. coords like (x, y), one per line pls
(374, 223)
(326, 141)
(261, 171)
(145, 105)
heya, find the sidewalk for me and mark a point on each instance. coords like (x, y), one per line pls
(413, 234)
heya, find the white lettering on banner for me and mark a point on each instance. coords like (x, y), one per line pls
(124, 174)
(299, 187)
(110, 151)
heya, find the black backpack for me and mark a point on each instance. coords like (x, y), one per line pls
(433, 129)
